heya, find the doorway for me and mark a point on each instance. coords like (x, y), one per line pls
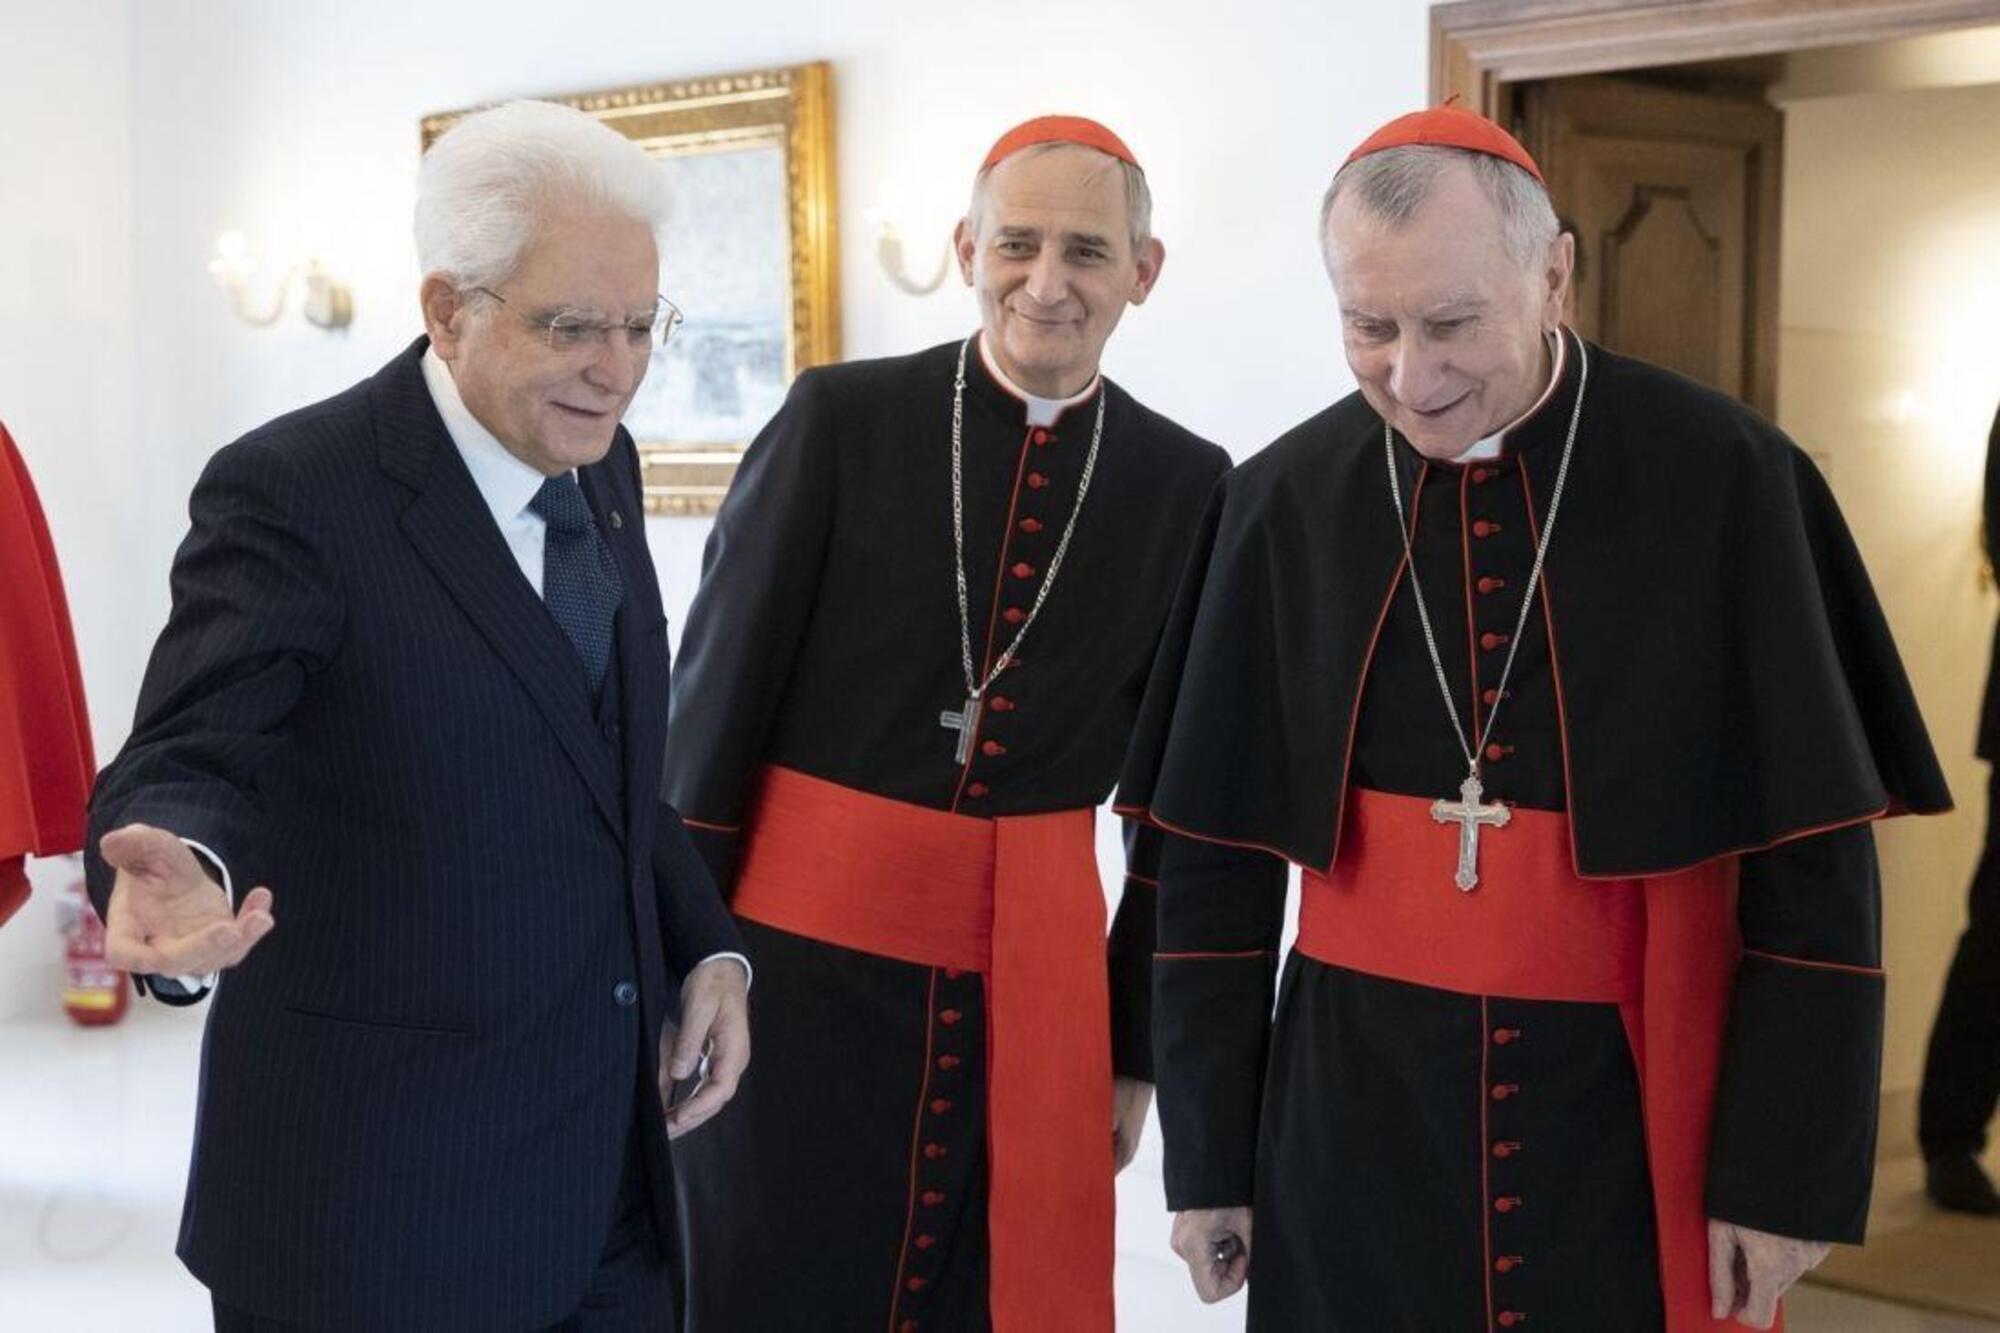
(1799, 204)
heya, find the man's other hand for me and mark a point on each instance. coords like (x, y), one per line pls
(1131, 1098)
(1749, 1270)
(1215, 1245)
(715, 1020)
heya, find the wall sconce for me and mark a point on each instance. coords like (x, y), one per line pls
(325, 301)
(889, 253)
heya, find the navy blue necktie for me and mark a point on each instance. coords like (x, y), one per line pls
(580, 583)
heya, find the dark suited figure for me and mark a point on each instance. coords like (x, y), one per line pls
(415, 682)
(1962, 1070)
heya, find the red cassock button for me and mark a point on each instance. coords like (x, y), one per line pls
(1502, 1091)
(1485, 528)
(1505, 1150)
(1489, 584)
(952, 974)
(1000, 703)
(1507, 1263)
(1479, 475)
(1506, 1205)
(907, 1326)
(1013, 615)
(1031, 525)
(1037, 480)
(1502, 1036)
(1496, 751)
(1510, 1318)
(1489, 640)
(976, 789)
(992, 748)
(947, 1062)
(1022, 570)
(925, 1242)
(932, 1198)
(915, 1284)
(949, 1017)
(1041, 437)
(939, 1105)
(1492, 697)
(933, 1151)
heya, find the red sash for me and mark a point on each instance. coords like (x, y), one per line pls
(1664, 950)
(1018, 900)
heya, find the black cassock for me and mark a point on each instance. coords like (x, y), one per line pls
(1422, 1158)
(825, 639)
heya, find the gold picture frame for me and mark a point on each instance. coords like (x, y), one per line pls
(754, 216)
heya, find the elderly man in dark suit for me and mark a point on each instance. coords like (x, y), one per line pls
(415, 682)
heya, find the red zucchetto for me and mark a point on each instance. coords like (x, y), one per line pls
(1450, 127)
(1059, 129)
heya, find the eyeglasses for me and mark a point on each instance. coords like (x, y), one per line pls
(573, 330)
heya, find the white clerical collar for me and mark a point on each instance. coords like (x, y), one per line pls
(1495, 444)
(1041, 411)
(505, 482)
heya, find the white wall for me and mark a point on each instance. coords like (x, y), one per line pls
(68, 335)
(283, 119)
(1887, 368)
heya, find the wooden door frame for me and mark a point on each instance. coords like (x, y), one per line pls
(1480, 47)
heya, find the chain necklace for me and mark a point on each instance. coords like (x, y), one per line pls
(1468, 812)
(965, 721)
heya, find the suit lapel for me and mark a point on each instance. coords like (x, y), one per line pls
(450, 526)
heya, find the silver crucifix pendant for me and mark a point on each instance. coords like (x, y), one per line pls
(1469, 814)
(964, 721)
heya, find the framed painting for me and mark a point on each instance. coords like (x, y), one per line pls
(749, 254)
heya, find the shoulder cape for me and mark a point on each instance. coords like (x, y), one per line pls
(1725, 677)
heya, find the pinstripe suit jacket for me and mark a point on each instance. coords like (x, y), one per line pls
(416, 1092)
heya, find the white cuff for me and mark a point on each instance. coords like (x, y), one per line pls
(195, 985)
(749, 975)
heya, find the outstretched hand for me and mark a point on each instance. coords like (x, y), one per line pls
(165, 916)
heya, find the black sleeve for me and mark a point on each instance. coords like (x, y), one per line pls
(1793, 1151)
(1221, 918)
(694, 922)
(256, 612)
(759, 579)
(1133, 931)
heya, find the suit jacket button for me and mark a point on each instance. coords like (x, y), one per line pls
(626, 994)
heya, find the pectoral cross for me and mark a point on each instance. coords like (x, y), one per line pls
(1469, 814)
(964, 721)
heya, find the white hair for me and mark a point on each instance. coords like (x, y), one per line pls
(1138, 196)
(494, 178)
(1394, 184)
